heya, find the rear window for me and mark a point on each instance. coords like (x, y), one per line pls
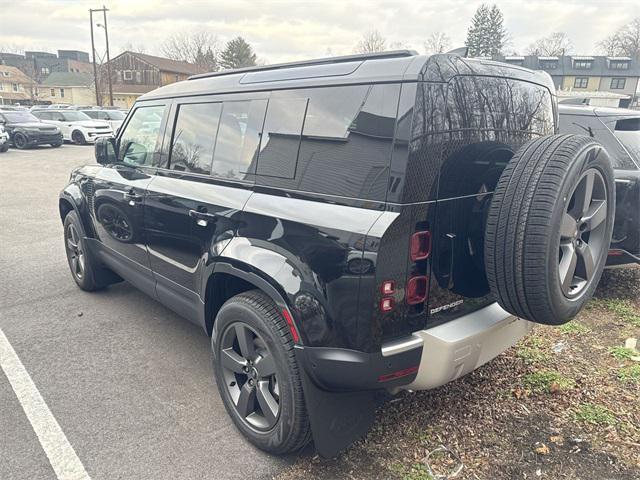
(620, 146)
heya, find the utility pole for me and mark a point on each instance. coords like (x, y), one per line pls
(106, 36)
(93, 54)
(104, 11)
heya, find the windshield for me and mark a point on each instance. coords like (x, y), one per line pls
(17, 117)
(72, 116)
(115, 115)
(628, 132)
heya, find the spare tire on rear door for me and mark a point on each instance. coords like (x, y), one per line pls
(549, 228)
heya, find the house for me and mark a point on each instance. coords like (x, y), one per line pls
(581, 74)
(133, 74)
(16, 87)
(68, 87)
(39, 65)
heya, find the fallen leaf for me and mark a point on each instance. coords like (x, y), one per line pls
(541, 449)
(557, 439)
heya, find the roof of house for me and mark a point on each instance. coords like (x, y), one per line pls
(68, 79)
(165, 64)
(15, 75)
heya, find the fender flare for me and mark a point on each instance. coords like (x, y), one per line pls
(72, 196)
(257, 281)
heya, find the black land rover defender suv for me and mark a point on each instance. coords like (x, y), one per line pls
(346, 226)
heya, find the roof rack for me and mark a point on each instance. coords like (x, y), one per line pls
(306, 63)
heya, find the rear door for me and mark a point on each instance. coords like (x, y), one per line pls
(193, 206)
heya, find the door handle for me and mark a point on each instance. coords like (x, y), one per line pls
(133, 197)
(202, 218)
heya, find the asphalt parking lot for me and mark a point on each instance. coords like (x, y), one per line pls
(128, 382)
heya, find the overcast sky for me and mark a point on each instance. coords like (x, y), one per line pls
(284, 31)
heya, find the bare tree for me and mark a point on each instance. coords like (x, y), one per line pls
(371, 42)
(558, 43)
(626, 41)
(200, 48)
(437, 42)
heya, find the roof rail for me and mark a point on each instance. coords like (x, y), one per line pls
(306, 63)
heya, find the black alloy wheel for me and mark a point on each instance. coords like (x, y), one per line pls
(20, 141)
(250, 376)
(582, 235)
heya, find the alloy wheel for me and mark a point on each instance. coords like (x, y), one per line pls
(75, 252)
(582, 233)
(249, 373)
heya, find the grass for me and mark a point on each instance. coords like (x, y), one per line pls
(624, 310)
(574, 328)
(622, 353)
(417, 471)
(629, 374)
(547, 381)
(532, 355)
(594, 414)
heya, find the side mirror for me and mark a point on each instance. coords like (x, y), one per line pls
(105, 150)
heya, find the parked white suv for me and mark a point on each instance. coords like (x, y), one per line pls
(113, 117)
(4, 140)
(76, 126)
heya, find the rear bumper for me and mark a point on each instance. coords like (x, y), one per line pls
(458, 347)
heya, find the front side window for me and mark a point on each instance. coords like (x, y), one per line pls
(194, 137)
(617, 83)
(238, 138)
(580, 82)
(139, 140)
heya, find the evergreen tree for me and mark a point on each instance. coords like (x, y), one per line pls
(486, 35)
(237, 54)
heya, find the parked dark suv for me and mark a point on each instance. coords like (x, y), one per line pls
(27, 131)
(346, 226)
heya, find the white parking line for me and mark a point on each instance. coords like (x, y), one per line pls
(61, 454)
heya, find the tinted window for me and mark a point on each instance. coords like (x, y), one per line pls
(43, 115)
(139, 140)
(19, 117)
(238, 138)
(194, 137)
(92, 113)
(281, 136)
(346, 141)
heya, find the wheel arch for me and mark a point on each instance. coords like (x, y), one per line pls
(71, 199)
(228, 280)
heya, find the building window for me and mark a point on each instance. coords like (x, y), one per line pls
(617, 83)
(580, 82)
(138, 77)
(582, 64)
(127, 75)
(6, 74)
(15, 87)
(62, 92)
(52, 92)
(1, 87)
(548, 64)
(619, 64)
(44, 70)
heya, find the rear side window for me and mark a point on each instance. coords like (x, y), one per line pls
(138, 144)
(281, 136)
(345, 145)
(194, 137)
(238, 139)
(92, 114)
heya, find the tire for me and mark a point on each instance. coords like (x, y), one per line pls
(546, 238)
(78, 138)
(253, 315)
(360, 266)
(4, 147)
(80, 263)
(20, 141)
(56, 145)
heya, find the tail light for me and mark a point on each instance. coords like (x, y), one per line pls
(420, 245)
(416, 290)
(386, 304)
